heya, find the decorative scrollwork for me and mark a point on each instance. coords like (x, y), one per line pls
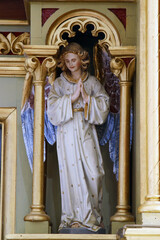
(13, 43)
(116, 65)
(36, 74)
(82, 18)
(5, 46)
(18, 42)
(31, 64)
(50, 66)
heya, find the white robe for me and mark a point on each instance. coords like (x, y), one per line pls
(79, 157)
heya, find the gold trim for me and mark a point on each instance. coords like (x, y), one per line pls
(8, 117)
(125, 51)
(78, 109)
(14, 22)
(72, 80)
(40, 50)
(85, 110)
(12, 67)
(82, 17)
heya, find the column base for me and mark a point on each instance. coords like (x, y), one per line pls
(37, 217)
(37, 227)
(118, 217)
(37, 214)
(122, 215)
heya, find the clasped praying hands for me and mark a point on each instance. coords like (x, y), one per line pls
(80, 90)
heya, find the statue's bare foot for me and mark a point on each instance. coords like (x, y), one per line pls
(75, 225)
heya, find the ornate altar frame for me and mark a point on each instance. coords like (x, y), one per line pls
(122, 64)
(40, 62)
(144, 133)
(146, 117)
(8, 119)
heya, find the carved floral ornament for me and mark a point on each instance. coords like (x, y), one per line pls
(82, 18)
(14, 44)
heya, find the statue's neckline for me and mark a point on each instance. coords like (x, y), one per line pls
(72, 80)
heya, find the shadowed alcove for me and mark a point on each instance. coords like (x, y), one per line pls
(53, 199)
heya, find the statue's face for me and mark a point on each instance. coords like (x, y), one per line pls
(73, 62)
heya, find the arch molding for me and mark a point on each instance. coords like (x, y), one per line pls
(82, 18)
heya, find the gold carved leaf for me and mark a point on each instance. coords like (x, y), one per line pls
(4, 45)
(18, 42)
(13, 43)
(11, 37)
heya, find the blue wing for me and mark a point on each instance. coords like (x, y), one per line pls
(109, 131)
(27, 119)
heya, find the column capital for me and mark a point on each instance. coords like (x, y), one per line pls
(123, 62)
(40, 67)
(123, 67)
(40, 62)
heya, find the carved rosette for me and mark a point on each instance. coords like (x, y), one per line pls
(13, 44)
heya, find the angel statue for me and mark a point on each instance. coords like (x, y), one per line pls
(76, 102)
(81, 113)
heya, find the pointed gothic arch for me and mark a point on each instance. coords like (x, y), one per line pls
(82, 18)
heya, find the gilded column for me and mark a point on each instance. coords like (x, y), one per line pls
(38, 68)
(120, 68)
